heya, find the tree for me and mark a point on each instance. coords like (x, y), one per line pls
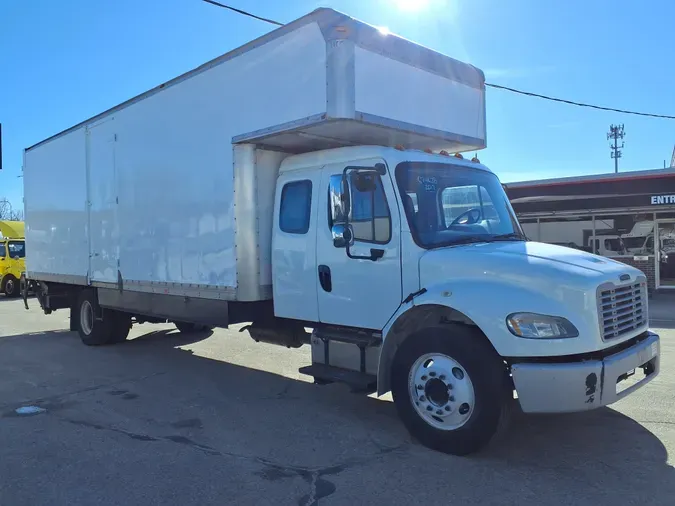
(7, 212)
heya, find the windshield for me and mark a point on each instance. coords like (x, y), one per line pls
(17, 249)
(451, 204)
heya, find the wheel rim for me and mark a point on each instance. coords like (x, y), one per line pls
(9, 286)
(441, 391)
(86, 317)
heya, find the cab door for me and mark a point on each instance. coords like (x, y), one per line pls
(359, 287)
(4, 264)
(294, 245)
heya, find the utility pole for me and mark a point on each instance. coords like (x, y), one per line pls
(615, 133)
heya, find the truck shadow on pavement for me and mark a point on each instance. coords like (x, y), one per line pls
(150, 389)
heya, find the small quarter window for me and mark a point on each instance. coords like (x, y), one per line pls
(295, 208)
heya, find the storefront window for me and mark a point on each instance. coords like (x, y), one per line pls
(624, 235)
(571, 232)
(620, 235)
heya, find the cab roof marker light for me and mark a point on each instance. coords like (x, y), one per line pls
(459, 155)
(444, 153)
(399, 147)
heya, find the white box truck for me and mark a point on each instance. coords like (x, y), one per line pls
(305, 181)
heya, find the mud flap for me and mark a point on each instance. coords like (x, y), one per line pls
(24, 289)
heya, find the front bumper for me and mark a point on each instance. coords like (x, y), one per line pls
(585, 383)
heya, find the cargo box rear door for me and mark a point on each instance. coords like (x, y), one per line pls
(102, 189)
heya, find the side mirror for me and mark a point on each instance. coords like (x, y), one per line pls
(342, 236)
(338, 199)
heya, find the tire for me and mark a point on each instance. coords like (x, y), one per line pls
(11, 287)
(188, 328)
(98, 326)
(461, 393)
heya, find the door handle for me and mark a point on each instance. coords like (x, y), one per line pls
(325, 279)
(376, 253)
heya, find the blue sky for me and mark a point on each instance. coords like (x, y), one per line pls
(63, 61)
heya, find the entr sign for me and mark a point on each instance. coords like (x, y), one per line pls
(658, 200)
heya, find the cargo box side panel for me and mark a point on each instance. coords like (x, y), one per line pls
(398, 94)
(174, 162)
(57, 246)
(267, 168)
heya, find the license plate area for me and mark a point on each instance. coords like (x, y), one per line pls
(634, 376)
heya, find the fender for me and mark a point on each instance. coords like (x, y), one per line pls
(485, 303)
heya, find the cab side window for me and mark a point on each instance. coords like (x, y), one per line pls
(295, 207)
(370, 217)
(3, 252)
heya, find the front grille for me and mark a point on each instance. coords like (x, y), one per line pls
(622, 309)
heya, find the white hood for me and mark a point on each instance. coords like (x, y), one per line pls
(489, 281)
(526, 263)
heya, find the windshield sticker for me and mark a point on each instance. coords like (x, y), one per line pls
(429, 183)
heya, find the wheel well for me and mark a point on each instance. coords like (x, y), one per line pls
(416, 318)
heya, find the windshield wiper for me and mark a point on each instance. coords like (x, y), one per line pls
(471, 239)
(507, 237)
(476, 239)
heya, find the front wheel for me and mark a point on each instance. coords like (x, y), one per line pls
(448, 385)
(11, 286)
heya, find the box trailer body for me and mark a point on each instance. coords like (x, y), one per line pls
(306, 180)
(165, 191)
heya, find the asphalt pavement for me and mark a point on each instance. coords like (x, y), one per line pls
(215, 418)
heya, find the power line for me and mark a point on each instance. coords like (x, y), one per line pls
(491, 85)
(579, 104)
(245, 13)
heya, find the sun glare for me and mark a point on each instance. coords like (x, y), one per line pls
(411, 5)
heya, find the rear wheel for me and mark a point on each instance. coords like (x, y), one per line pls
(448, 385)
(11, 288)
(97, 325)
(187, 328)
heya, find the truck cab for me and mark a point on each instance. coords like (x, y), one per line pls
(12, 257)
(419, 257)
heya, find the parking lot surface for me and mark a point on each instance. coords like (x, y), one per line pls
(215, 418)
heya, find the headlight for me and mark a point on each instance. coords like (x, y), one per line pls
(539, 326)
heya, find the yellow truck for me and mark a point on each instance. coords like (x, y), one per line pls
(12, 256)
